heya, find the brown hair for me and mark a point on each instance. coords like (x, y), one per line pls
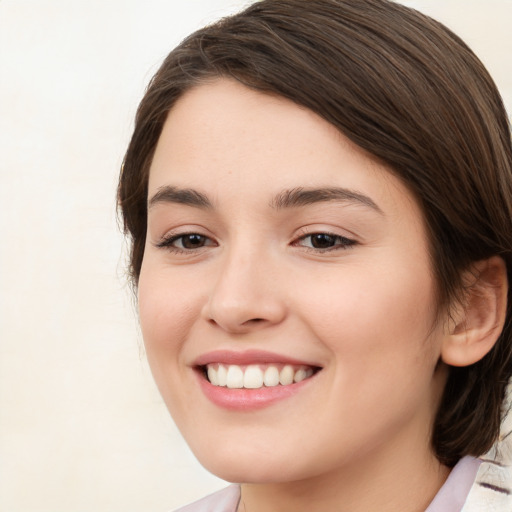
(407, 90)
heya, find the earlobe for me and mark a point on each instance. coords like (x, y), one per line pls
(478, 322)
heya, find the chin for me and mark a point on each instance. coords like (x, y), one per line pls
(253, 464)
(249, 473)
(238, 466)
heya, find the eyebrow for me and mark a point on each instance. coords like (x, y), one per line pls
(305, 196)
(186, 196)
(291, 198)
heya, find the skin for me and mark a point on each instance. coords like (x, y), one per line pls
(357, 435)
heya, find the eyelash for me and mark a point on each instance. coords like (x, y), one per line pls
(340, 242)
(168, 241)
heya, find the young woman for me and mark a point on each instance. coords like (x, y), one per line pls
(319, 198)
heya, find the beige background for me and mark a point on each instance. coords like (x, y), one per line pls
(81, 425)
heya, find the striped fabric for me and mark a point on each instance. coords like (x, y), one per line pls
(492, 490)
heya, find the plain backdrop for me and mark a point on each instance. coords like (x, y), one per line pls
(82, 426)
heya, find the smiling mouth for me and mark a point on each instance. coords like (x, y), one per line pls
(256, 376)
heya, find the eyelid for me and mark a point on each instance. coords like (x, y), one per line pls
(167, 240)
(348, 242)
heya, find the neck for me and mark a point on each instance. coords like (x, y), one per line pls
(389, 480)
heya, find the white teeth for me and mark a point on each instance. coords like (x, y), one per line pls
(254, 376)
(286, 375)
(235, 377)
(222, 375)
(299, 375)
(212, 376)
(271, 377)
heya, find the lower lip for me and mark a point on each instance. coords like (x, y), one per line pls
(249, 399)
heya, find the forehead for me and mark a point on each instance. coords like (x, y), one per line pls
(225, 139)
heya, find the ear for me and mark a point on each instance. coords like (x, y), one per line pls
(478, 322)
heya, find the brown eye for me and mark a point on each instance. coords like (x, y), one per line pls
(322, 241)
(191, 241)
(186, 242)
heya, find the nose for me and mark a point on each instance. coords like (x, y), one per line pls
(246, 295)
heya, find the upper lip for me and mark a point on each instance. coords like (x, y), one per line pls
(247, 357)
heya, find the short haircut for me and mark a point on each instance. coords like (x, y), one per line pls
(408, 91)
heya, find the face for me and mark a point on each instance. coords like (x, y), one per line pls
(286, 295)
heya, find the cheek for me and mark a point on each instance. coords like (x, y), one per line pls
(166, 312)
(374, 321)
(383, 352)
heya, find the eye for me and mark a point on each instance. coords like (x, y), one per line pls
(324, 242)
(186, 242)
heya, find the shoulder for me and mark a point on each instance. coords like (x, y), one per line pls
(225, 500)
